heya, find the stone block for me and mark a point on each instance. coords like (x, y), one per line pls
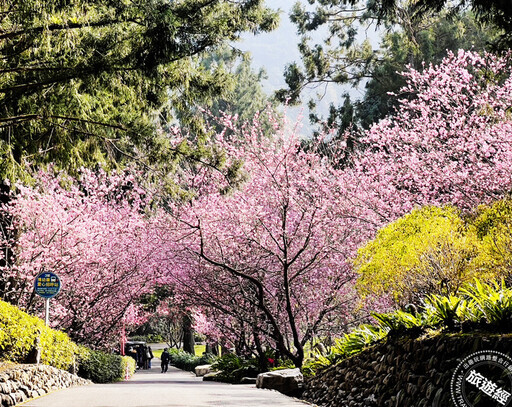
(202, 370)
(286, 381)
(211, 377)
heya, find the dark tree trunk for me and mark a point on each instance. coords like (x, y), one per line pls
(188, 334)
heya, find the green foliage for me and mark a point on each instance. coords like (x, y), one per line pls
(481, 306)
(494, 12)
(149, 338)
(355, 341)
(350, 344)
(492, 302)
(233, 368)
(186, 361)
(428, 251)
(399, 322)
(447, 310)
(244, 96)
(18, 335)
(101, 367)
(138, 66)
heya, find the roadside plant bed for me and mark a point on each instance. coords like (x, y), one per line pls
(232, 369)
(478, 307)
(19, 336)
(186, 361)
(20, 332)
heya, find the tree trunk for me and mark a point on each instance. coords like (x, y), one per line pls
(188, 334)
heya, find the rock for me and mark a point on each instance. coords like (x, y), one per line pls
(21, 382)
(202, 370)
(248, 380)
(6, 400)
(211, 377)
(286, 381)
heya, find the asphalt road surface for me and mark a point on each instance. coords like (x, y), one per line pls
(175, 388)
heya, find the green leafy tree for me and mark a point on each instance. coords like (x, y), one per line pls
(428, 251)
(89, 81)
(243, 97)
(246, 97)
(426, 42)
(496, 12)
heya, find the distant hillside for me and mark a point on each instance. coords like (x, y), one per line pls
(273, 51)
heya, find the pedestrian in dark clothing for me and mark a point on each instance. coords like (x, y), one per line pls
(149, 355)
(144, 357)
(165, 360)
(140, 360)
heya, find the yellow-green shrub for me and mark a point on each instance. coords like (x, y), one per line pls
(19, 332)
(429, 251)
(18, 335)
(493, 226)
(128, 366)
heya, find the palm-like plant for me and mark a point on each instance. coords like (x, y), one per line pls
(492, 302)
(449, 311)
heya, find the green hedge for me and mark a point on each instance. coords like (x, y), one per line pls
(20, 331)
(186, 361)
(101, 367)
(18, 335)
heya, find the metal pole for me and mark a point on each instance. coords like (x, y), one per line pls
(47, 311)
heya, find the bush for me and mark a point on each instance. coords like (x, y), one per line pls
(19, 333)
(493, 303)
(101, 367)
(234, 368)
(186, 361)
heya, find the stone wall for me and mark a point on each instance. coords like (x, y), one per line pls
(21, 382)
(401, 373)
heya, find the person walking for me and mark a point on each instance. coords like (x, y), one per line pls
(144, 354)
(165, 360)
(149, 356)
(140, 357)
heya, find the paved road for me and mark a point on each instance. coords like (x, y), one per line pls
(175, 388)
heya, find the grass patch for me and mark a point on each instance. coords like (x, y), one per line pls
(199, 350)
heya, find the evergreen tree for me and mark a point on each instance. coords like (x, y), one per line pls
(344, 59)
(89, 80)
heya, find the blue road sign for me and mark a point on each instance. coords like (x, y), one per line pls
(47, 285)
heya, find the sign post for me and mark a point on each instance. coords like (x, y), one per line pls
(47, 285)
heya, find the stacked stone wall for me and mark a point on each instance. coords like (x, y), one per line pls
(19, 383)
(399, 373)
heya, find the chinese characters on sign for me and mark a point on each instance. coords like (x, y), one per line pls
(47, 285)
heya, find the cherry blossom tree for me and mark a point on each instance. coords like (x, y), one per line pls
(450, 141)
(271, 255)
(94, 233)
(299, 220)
